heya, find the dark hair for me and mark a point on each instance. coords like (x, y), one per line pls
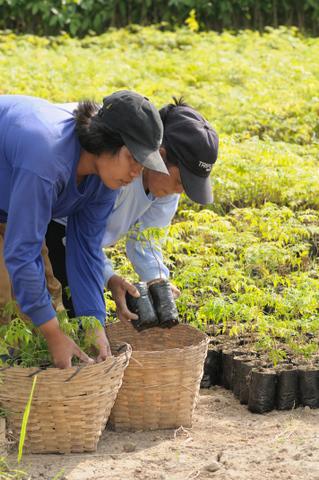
(164, 112)
(93, 134)
(178, 102)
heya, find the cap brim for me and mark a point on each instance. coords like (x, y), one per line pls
(198, 189)
(148, 158)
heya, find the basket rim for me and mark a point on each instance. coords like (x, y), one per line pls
(205, 340)
(175, 349)
(71, 370)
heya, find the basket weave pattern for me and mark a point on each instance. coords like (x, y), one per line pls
(161, 384)
(70, 407)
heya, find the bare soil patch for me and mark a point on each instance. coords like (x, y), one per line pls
(226, 442)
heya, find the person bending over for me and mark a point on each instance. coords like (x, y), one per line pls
(55, 163)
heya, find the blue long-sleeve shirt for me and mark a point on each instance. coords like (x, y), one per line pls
(39, 154)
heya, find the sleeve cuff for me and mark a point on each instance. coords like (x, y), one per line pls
(108, 270)
(151, 274)
(42, 315)
(107, 275)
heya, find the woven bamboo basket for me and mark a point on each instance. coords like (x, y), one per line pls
(70, 407)
(161, 384)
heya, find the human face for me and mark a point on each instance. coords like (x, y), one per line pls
(118, 170)
(160, 184)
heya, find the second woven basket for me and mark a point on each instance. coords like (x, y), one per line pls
(161, 384)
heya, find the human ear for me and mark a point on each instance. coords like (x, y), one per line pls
(162, 151)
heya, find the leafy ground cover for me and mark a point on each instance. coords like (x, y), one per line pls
(248, 264)
(22, 344)
(253, 271)
(7, 473)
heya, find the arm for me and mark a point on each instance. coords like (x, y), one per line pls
(84, 255)
(108, 269)
(85, 261)
(28, 216)
(146, 256)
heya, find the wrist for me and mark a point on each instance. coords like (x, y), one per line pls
(111, 280)
(51, 330)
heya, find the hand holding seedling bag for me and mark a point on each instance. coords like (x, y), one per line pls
(119, 288)
(155, 306)
(142, 307)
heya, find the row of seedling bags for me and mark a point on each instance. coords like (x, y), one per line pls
(259, 385)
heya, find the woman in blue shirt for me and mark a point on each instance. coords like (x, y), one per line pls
(54, 163)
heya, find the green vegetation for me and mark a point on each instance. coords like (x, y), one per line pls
(7, 473)
(252, 87)
(25, 419)
(22, 344)
(253, 271)
(249, 263)
(80, 17)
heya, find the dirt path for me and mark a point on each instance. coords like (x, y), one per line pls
(227, 442)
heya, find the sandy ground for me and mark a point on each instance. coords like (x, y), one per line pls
(227, 442)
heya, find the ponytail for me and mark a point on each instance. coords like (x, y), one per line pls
(94, 136)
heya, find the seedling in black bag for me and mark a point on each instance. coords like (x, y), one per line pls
(164, 303)
(143, 307)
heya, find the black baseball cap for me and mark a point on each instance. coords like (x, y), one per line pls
(138, 122)
(194, 144)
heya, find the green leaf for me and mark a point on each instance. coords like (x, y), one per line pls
(25, 419)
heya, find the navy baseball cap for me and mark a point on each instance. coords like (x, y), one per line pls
(138, 122)
(194, 144)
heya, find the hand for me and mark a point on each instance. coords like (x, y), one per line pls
(175, 291)
(119, 286)
(102, 345)
(62, 347)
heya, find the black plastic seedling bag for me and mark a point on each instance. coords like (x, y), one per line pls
(227, 369)
(309, 386)
(216, 367)
(212, 367)
(236, 375)
(246, 366)
(164, 303)
(287, 396)
(206, 382)
(262, 390)
(143, 307)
